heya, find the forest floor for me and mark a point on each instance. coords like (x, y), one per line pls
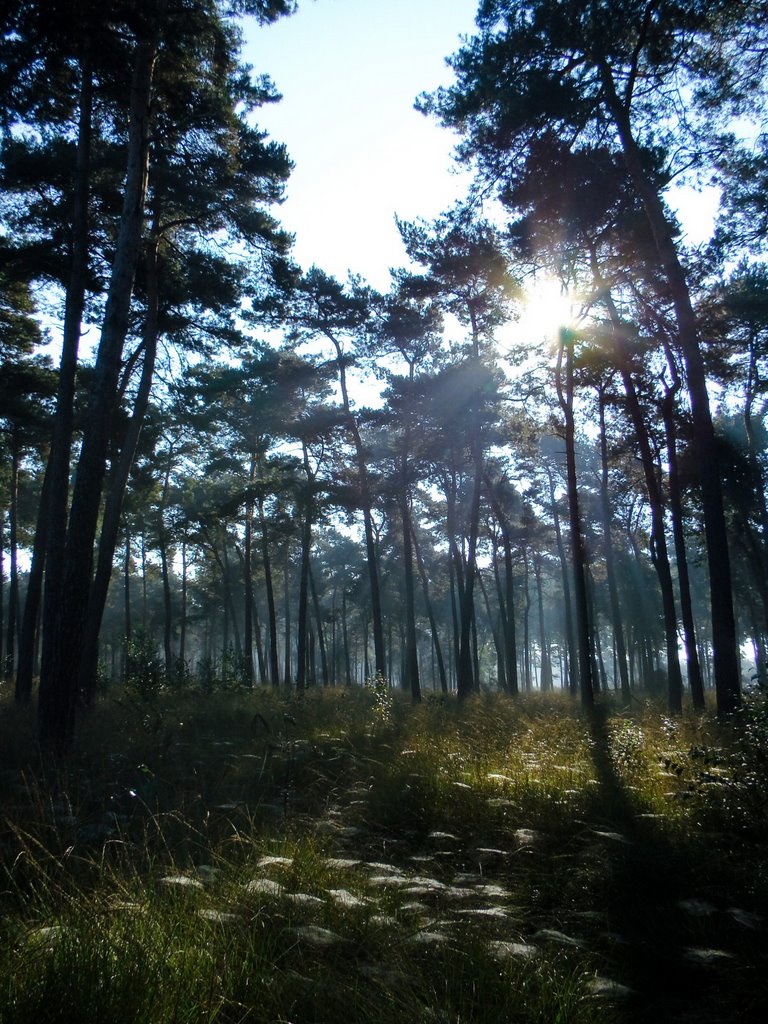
(350, 858)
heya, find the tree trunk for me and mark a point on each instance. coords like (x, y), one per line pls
(248, 579)
(320, 628)
(302, 626)
(725, 648)
(110, 526)
(183, 616)
(610, 565)
(546, 658)
(274, 665)
(659, 553)
(571, 671)
(676, 507)
(13, 537)
(287, 615)
(366, 501)
(430, 610)
(578, 557)
(31, 614)
(61, 658)
(52, 516)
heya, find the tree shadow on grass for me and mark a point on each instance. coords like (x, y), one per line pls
(666, 898)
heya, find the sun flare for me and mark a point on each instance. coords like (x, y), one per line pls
(546, 308)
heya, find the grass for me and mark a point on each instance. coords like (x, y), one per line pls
(349, 858)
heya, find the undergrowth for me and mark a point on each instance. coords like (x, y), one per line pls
(348, 857)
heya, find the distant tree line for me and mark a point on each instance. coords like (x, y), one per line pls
(391, 489)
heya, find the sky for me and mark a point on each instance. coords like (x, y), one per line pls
(349, 72)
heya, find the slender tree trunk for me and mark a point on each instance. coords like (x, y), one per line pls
(659, 553)
(571, 672)
(437, 647)
(411, 680)
(274, 666)
(683, 579)
(127, 599)
(320, 628)
(248, 578)
(502, 671)
(229, 599)
(494, 622)
(183, 616)
(583, 638)
(366, 501)
(167, 605)
(455, 571)
(287, 615)
(110, 526)
(2, 588)
(610, 565)
(546, 658)
(302, 626)
(526, 626)
(61, 660)
(345, 640)
(13, 537)
(31, 615)
(725, 648)
(52, 516)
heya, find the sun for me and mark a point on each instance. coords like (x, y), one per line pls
(546, 307)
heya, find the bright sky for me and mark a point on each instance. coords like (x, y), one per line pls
(349, 72)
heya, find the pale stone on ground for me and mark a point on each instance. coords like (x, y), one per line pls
(428, 938)
(506, 950)
(707, 957)
(265, 886)
(494, 891)
(493, 912)
(303, 899)
(269, 862)
(345, 898)
(608, 989)
(316, 936)
(746, 918)
(560, 938)
(218, 916)
(181, 882)
(697, 908)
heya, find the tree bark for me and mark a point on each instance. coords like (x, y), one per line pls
(366, 501)
(320, 629)
(724, 642)
(610, 563)
(248, 578)
(578, 557)
(13, 538)
(61, 658)
(695, 681)
(545, 679)
(31, 615)
(571, 679)
(659, 552)
(110, 527)
(430, 610)
(52, 517)
(274, 666)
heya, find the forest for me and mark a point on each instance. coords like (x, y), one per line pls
(310, 579)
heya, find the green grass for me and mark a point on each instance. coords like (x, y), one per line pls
(350, 858)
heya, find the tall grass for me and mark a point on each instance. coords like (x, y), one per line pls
(348, 857)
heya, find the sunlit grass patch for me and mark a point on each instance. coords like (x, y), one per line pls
(263, 858)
